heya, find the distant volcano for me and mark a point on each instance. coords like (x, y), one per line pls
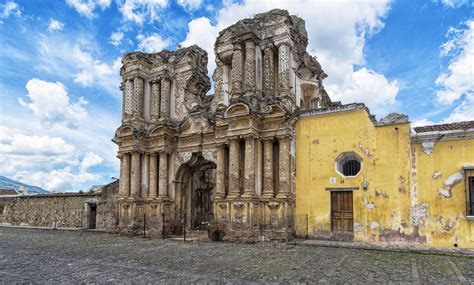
(7, 183)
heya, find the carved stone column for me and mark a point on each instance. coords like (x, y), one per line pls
(163, 179)
(165, 98)
(145, 190)
(135, 175)
(234, 169)
(249, 170)
(249, 81)
(128, 98)
(153, 176)
(220, 172)
(268, 72)
(155, 101)
(284, 68)
(284, 168)
(267, 169)
(138, 95)
(237, 72)
(124, 183)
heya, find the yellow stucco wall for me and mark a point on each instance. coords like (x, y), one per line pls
(445, 223)
(390, 210)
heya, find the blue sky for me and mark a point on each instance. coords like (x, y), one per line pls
(60, 102)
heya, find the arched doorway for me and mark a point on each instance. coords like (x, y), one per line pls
(195, 191)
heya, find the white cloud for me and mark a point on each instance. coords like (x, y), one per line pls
(91, 159)
(454, 3)
(116, 38)
(138, 10)
(190, 5)
(152, 43)
(458, 79)
(337, 31)
(50, 103)
(369, 87)
(463, 112)
(86, 8)
(55, 25)
(76, 60)
(10, 8)
(203, 34)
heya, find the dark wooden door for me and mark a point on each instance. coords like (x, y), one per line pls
(341, 211)
(92, 217)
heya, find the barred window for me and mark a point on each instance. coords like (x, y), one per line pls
(348, 164)
(470, 181)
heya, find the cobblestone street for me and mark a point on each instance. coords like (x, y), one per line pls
(64, 256)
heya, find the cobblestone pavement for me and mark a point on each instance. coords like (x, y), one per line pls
(28, 255)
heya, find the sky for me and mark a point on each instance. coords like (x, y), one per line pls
(60, 102)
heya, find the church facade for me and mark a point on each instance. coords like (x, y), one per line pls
(227, 157)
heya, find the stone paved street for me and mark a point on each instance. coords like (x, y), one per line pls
(58, 256)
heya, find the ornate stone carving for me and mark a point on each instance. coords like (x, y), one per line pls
(184, 156)
(210, 155)
(138, 95)
(155, 100)
(128, 97)
(165, 98)
(237, 72)
(249, 68)
(284, 66)
(268, 72)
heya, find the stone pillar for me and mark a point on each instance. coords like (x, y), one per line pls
(267, 169)
(153, 176)
(138, 95)
(145, 176)
(165, 98)
(220, 172)
(124, 183)
(128, 98)
(284, 168)
(284, 68)
(249, 81)
(163, 179)
(135, 175)
(155, 101)
(249, 167)
(237, 72)
(268, 72)
(234, 169)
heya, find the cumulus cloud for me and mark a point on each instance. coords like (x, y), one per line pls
(46, 161)
(190, 5)
(458, 79)
(50, 103)
(337, 32)
(152, 43)
(463, 112)
(202, 33)
(116, 38)
(10, 8)
(86, 8)
(55, 25)
(139, 10)
(77, 60)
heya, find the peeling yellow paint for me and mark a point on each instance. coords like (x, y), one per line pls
(401, 203)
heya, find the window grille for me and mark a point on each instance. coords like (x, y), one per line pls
(348, 164)
(471, 195)
(351, 168)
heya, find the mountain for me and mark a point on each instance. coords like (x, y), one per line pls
(7, 183)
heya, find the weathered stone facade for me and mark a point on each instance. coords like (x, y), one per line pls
(66, 210)
(229, 156)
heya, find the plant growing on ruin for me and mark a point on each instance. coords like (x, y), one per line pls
(216, 230)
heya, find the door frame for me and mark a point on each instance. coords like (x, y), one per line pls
(337, 190)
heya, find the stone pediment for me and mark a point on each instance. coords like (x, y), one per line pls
(124, 131)
(239, 109)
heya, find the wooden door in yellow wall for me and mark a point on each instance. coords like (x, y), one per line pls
(342, 211)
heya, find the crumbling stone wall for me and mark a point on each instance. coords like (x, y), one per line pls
(68, 209)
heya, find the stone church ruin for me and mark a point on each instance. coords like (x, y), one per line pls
(228, 156)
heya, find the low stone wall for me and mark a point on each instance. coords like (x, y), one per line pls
(68, 210)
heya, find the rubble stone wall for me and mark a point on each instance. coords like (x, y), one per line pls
(69, 209)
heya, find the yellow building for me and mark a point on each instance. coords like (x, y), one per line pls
(379, 181)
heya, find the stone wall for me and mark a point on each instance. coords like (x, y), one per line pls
(68, 209)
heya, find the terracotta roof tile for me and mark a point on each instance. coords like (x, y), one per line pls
(446, 127)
